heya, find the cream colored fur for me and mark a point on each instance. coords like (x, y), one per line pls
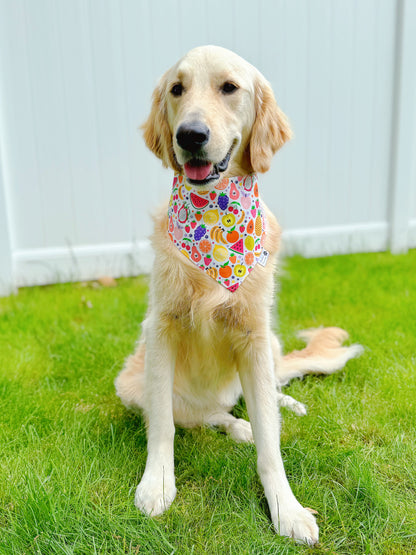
(202, 347)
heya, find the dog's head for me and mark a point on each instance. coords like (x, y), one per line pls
(214, 115)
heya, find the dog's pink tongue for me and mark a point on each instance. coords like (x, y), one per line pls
(197, 173)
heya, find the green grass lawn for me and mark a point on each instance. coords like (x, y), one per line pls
(72, 456)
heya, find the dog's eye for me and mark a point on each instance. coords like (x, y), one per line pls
(177, 89)
(228, 88)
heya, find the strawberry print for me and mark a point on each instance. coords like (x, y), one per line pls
(223, 236)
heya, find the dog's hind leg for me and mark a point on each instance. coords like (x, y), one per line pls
(130, 388)
(237, 428)
(284, 400)
(130, 381)
(290, 403)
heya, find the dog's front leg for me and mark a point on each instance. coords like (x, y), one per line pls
(259, 388)
(157, 490)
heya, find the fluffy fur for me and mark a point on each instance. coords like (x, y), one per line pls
(202, 347)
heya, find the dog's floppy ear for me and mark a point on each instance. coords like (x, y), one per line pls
(156, 131)
(270, 130)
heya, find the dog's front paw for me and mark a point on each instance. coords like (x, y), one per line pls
(155, 493)
(298, 523)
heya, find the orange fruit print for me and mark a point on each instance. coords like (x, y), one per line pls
(205, 246)
(232, 236)
(225, 271)
(249, 258)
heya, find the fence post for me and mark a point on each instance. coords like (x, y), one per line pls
(6, 267)
(404, 126)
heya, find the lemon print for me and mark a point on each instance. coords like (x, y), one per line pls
(240, 270)
(249, 243)
(228, 220)
(220, 253)
(211, 217)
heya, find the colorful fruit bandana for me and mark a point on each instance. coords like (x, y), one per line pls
(222, 230)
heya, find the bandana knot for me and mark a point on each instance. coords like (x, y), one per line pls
(221, 230)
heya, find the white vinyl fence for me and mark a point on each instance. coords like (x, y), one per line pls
(77, 185)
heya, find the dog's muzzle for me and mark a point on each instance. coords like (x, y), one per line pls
(192, 136)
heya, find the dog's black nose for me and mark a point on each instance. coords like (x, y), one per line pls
(192, 136)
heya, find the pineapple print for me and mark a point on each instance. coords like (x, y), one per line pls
(258, 226)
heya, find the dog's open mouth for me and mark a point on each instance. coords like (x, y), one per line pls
(199, 171)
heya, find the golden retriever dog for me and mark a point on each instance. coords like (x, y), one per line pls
(207, 337)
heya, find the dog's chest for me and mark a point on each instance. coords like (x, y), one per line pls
(206, 352)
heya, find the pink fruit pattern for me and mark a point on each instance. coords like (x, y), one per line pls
(227, 249)
(245, 200)
(182, 214)
(234, 193)
(178, 233)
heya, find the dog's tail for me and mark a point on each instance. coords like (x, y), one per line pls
(323, 354)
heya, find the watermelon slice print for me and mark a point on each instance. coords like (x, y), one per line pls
(238, 247)
(233, 288)
(198, 202)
